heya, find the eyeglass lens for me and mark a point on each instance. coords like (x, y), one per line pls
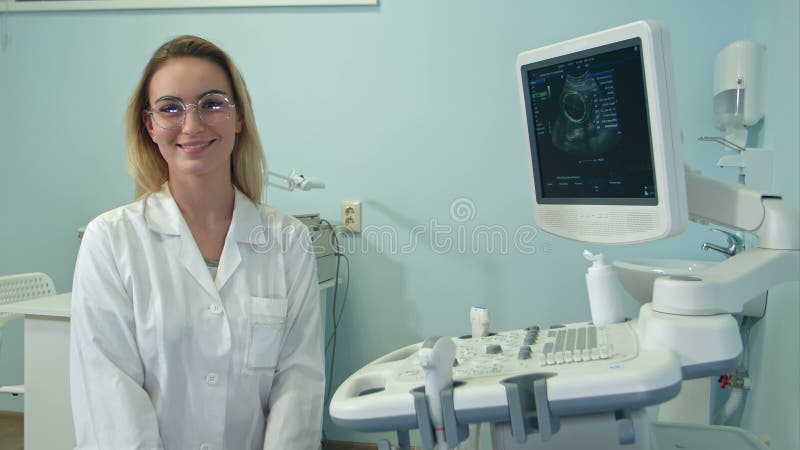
(212, 109)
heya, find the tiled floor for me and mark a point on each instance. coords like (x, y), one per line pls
(11, 426)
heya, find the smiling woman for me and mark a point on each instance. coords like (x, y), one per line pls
(187, 331)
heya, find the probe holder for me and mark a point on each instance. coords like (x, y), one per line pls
(454, 432)
(528, 409)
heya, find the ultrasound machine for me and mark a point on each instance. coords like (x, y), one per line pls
(607, 167)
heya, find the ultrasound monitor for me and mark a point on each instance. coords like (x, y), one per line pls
(604, 137)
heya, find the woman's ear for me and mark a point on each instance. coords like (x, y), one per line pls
(148, 124)
(239, 122)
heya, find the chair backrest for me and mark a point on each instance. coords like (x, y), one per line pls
(14, 288)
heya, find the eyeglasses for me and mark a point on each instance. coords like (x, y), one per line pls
(212, 108)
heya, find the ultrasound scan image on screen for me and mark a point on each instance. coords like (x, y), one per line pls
(589, 133)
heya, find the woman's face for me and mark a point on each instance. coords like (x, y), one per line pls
(197, 147)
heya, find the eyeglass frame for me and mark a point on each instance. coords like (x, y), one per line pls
(185, 108)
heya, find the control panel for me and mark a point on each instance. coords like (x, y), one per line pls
(516, 351)
(585, 368)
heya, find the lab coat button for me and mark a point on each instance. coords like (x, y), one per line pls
(215, 309)
(211, 379)
(205, 447)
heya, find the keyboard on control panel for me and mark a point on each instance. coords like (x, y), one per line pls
(574, 345)
(535, 349)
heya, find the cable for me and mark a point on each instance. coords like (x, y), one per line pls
(335, 243)
(339, 255)
(336, 317)
(331, 343)
(745, 329)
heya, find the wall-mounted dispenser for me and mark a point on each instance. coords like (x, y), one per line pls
(738, 89)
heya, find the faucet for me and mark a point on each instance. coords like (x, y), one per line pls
(735, 244)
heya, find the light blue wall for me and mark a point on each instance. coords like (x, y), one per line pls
(407, 107)
(773, 406)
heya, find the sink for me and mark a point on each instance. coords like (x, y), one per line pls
(637, 275)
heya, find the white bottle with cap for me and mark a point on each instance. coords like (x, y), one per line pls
(605, 290)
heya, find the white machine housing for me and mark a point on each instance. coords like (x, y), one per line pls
(605, 219)
(584, 375)
(585, 385)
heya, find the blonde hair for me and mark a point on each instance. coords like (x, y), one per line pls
(148, 167)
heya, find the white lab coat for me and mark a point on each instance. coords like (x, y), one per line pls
(164, 357)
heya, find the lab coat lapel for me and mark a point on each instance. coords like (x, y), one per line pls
(163, 216)
(245, 226)
(192, 259)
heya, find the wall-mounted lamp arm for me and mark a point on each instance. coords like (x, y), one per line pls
(295, 181)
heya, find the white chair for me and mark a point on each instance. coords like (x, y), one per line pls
(14, 288)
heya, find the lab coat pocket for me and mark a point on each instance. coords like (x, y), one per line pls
(266, 324)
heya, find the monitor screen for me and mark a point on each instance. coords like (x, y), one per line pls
(603, 136)
(590, 137)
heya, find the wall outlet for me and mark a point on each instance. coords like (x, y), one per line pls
(351, 216)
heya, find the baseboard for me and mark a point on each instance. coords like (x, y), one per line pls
(11, 415)
(345, 445)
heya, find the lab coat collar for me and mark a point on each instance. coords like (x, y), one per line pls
(246, 226)
(162, 213)
(163, 216)
(247, 221)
